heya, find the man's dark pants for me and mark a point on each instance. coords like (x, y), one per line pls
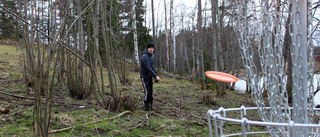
(148, 89)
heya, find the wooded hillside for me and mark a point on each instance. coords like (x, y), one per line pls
(89, 47)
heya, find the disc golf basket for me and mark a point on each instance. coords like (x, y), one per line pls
(262, 25)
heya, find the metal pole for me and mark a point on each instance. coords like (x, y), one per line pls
(300, 59)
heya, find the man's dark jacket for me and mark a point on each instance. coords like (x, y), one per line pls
(147, 67)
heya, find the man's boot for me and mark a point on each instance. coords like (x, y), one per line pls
(147, 106)
(151, 106)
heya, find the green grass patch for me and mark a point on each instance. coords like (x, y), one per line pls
(178, 102)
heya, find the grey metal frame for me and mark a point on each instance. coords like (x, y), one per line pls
(220, 115)
(265, 31)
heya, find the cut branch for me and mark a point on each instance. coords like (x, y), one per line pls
(16, 96)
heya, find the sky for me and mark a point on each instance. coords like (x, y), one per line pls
(188, 10)
(182, 8)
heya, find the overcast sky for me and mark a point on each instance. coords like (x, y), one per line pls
(188, 10)
(182, 8)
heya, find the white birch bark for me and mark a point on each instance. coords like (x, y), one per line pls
(135, 35)
(174, 55)
(173, 38)
(167, 34)
(193, 54)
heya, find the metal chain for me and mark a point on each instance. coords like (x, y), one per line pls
(265, 32)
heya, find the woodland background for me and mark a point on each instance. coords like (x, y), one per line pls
(68, 43)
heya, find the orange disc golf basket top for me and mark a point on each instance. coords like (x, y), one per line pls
(220, 76)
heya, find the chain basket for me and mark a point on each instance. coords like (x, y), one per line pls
(261, 25)
(221, 115)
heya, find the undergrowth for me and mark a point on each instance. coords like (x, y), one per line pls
(178, 102)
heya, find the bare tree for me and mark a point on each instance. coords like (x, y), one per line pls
(193, 50)
(183, 47)
(172, 28)
(200, 46)
(153, 24)
(167, 35)
(79, 77)
(135, 35)
(214, 5)
(42, 58)
(38, 66)
(115, 102)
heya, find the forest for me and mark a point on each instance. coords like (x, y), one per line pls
(82, 57)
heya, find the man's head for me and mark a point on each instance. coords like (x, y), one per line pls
(150, 47)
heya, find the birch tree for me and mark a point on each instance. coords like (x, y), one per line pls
(172, 28)
(193, 49)
(167, 35)
(135, 35)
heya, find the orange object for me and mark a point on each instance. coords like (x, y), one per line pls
(220, 76)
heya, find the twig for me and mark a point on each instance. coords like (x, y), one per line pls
(203, 118)
(159, 115)
(16, 95)
(37, 29)
(95, 125)
(147, 119)
(22, 97)
(64, 129)
(16, 112)
(72, 130)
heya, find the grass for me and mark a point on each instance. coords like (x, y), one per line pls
(178, 103)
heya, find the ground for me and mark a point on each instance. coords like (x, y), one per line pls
(180, 110)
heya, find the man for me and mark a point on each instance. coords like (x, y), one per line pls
(147, 72)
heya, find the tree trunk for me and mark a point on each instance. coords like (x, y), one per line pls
(172, 28)
(153, 24)
(174, 55)
(171, 35)
(222, 67)
(214, 5)
(200, 45)
(135, 35)
(287, 57)
(184, 49)
(193, 54)
(116, 94)
(81, 41)
(167, 35)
